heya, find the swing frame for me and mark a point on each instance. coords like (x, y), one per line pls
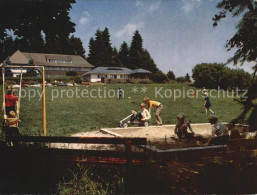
(43, 89)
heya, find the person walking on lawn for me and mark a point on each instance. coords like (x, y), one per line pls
(158, 106)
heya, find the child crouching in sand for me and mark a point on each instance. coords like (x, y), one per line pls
(182, 126)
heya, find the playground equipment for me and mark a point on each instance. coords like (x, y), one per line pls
(19, 103)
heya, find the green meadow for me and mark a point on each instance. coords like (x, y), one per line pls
(78, 109)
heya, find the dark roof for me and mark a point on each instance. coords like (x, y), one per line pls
(140, 71)
(116, 70)
(110, 70)
(43, 59)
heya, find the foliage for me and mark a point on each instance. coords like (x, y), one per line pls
(249, 104)
(187, 77)
(38, 27)
(181, 79)
(139, 57)
(159, 77)
(124, 54)
(75, 46)
(115, 58)
(100, 50)
(245, 39)
(245, 43)
(171, 75)
(135, 52)
(217, 75)
(31, 72)
(86, 181)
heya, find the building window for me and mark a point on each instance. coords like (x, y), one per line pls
(60, 61)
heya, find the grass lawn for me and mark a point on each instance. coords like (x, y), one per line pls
(67, 114)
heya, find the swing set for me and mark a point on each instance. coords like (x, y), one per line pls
(42, 69)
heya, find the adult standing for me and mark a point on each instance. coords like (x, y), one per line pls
(11, 101)
(158, 106)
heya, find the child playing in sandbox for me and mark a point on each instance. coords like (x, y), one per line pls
(219, 132)
(182, 126)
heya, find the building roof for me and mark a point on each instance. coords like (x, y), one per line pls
(42, 59)
(115, 70)
(140, 71)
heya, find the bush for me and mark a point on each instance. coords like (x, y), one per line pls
(159, 77)
(86, 181)
(181, 79)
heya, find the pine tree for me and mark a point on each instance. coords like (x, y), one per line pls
(135, 52)
(100, 50)
(115, 58)
(76, 46)
(107, 48)
(147, 62)
(124, 54)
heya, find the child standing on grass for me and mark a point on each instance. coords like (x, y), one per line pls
(182, 126)
(120, 92)
(158, 107)
(219, 132)
(207, 103)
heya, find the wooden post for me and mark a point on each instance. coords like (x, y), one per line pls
(3, 72)
(44, 101)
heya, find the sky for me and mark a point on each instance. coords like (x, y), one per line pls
(177, 33)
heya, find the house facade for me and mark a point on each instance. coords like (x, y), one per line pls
(56, 65)
(105, 74)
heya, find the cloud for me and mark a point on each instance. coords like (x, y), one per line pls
(128, 29)
(189, 5)
(154, 6)
(85, 18)
(138, 2)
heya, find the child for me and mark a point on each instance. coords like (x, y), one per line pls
(11, 101)
(120, 92)
(182, 126)
(158, 107)
(143, 116)
(219, 132)
(11, 125)
(207, 103)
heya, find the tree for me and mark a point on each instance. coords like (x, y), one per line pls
(218, 75)
(124, 54)
(31, 72)
(37, 25)
(115, 58)
(245, 41)
(171, 75)
(76, 46)
(147, 62)
(187, 77)
(136, 50)
(100, 50)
